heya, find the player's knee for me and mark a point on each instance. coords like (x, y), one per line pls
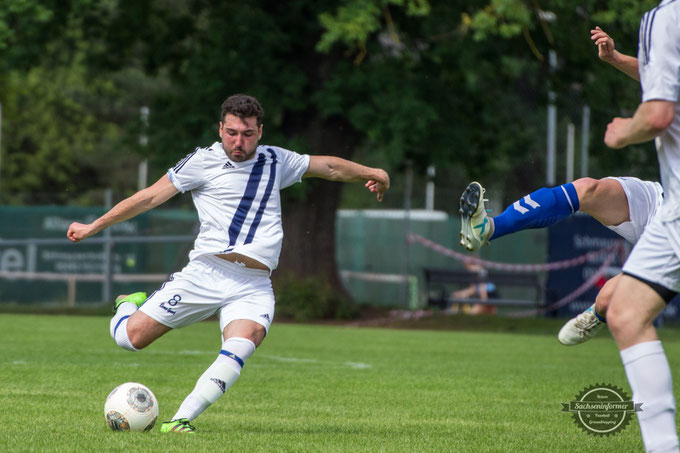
(122, 339)
(586, 188)
(621, 319)
(604, 297)
(602, 302)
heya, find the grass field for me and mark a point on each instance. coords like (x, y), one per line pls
(312, 388)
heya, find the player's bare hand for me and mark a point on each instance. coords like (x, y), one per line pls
(605, 45)
(614, 136)
(78, 231)
(380, 184)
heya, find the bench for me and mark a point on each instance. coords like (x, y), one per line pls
(441, 282)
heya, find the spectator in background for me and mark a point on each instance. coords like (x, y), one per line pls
(482, 290)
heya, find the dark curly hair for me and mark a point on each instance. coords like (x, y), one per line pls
(242, 106)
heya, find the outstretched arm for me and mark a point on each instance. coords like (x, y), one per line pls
(140, 202)
(337, 169)
(650, 120)
(608, 53)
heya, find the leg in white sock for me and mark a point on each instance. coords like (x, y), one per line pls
(118, 325)
(217, 378)
(650, 379)
(633, 307)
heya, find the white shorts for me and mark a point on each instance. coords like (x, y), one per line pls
(656, 256)
(209, 285)
(644, 201)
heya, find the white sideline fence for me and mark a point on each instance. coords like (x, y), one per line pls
(106, 278)
(410, 280)
(72, 279)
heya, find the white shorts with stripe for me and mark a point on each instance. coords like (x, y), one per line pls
(209, 285)
(644, 201)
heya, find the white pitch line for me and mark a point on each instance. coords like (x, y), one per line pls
(353, 365)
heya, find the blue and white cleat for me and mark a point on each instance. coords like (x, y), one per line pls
(475, 227)
(580, 328)
(136, 298)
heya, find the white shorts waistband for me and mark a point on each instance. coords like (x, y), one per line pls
(226, 266)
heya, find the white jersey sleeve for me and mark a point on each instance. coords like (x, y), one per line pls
(659, 67)
(188, 173)
(659, 54)
(293, 166)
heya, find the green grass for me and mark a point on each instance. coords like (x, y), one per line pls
(311, 388)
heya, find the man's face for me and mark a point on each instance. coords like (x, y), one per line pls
(240, 137)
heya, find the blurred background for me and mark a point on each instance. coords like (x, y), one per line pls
(99, 98)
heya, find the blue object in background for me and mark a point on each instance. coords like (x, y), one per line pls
(576, 236)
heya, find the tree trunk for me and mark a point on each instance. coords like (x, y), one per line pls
(309, 222)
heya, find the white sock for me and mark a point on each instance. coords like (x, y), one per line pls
(217, 378)
(119, 325)
(649, 377)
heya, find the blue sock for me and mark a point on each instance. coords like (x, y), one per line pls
(537, 210)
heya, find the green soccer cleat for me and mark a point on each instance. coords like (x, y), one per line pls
(475, 228)
(135, 298)
(181, 426)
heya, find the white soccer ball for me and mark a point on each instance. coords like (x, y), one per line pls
(131, 407)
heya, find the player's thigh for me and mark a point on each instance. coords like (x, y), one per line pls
(180, 305)
(634, 302)
(190, 296)
(143, 330)
(603, 199)
(632, 310)
(652, 278)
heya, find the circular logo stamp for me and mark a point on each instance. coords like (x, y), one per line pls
(602, 409)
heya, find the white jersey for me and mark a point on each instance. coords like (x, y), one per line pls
(659, 66)
(238, 203)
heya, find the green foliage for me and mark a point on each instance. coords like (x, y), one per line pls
(21, 16)
(355, 21)
(444, 82)
(504, 18)
(459, 84)
(49, 131)
(305, 299)
(68, 126)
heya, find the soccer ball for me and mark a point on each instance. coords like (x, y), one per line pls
(131, 407)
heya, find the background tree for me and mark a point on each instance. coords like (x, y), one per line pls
(67, 122)
(459, 84)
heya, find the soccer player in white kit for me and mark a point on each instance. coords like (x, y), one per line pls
(235, 187)
(652, 272)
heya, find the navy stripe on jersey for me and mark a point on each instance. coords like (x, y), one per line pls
(181, 163)
(265, 199)
(247, 200)
(648, 39)
(646, 25)
(643, 36)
